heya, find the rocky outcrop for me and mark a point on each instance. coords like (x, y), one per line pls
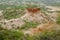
(31, 15)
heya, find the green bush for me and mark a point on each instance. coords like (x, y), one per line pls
(11, 35)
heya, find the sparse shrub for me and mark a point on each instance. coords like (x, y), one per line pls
(28, 25)
(58, 19)
(13, 12)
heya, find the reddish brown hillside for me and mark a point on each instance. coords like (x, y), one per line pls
(33, 10)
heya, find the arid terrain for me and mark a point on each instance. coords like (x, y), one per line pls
(29, 20)
(44, 20)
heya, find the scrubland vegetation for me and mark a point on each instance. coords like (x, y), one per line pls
(19, 35)
(13, 12)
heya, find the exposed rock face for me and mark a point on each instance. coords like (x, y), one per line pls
(33, 10)
(36, 16)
